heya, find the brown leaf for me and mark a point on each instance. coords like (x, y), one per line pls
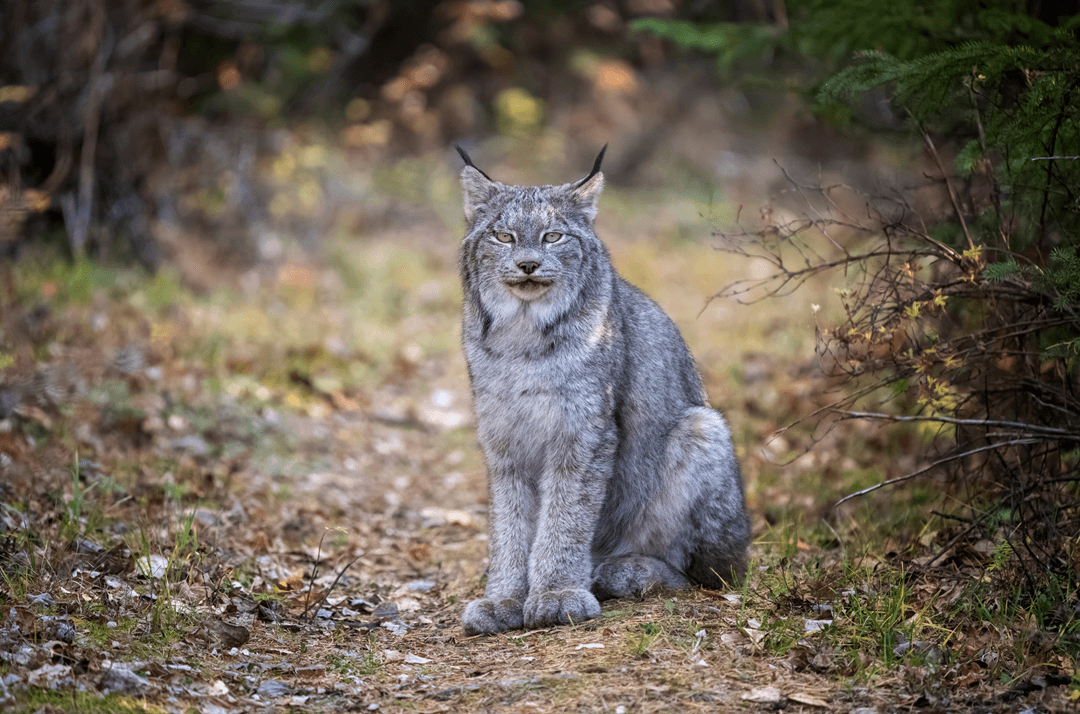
(225, 634)
(808, 699)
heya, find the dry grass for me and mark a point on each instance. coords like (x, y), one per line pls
(316, 410)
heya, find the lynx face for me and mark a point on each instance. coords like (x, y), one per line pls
(526, 246)
(531, 250)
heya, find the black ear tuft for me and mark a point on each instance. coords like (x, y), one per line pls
(595, 167)
(468, 161)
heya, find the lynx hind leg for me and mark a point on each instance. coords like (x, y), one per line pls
(695, 526)
(632, 575)
(717, 532)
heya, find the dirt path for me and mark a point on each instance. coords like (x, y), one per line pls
(267, 497)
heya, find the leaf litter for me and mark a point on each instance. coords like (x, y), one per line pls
(205, 510)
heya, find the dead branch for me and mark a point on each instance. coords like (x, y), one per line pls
(934, 465)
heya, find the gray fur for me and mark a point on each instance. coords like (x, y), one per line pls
(607, 471)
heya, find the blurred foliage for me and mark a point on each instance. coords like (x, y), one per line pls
(972, 316)
(137, 130)
(1004, 84)
(730, 42)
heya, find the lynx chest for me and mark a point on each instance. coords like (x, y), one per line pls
(534, 393)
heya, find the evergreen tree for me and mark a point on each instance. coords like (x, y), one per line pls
(978, 314)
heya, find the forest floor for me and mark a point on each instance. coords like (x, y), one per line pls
(263, 493)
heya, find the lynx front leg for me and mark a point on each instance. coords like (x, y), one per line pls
(560, 564)
(512, 512)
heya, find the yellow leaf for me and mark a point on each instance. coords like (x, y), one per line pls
(17, 93)
(36, 201)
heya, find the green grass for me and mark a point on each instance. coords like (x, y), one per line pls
(647, 636)
(34, 699)
(354, 664)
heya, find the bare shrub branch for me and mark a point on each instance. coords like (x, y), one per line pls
(928, 339)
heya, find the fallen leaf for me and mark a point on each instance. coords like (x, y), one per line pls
(763, 695)
(808, 699)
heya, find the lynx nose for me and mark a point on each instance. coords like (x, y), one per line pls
(528, 266)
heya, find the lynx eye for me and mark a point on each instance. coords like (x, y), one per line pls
(504, 237)
(552, 237)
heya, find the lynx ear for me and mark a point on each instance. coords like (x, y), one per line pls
(586, 192)
(476, 187)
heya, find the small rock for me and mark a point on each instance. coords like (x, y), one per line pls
(386, 611)
(50, 676)
(115, 680)
(420, 586)
(192, 443)
(272, 688)
(208, 518)
(408, 604)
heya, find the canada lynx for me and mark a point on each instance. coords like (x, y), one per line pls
(607, 471)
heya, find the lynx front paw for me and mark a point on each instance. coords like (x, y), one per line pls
(560, 607)
(484, 617)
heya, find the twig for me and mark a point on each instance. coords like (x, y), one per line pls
(81, 209)
(994, 190)
(314, 570)
(331, 588)
(939, 462)
(953, 541)
(967, 422)
(1065, 103)
(939, 514)
(1055, 158)
(948, 184)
